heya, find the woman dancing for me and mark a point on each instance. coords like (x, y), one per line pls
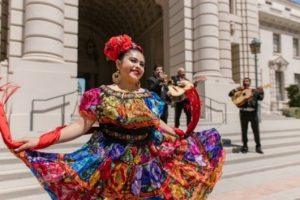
(132, 154)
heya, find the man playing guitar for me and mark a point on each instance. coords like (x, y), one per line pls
(181, 81)
(156, 83)
(248, 112)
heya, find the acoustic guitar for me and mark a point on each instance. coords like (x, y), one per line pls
(240, 97)
(176, 93)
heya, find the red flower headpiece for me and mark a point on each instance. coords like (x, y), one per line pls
(118, 45)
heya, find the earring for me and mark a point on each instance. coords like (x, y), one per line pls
(138, 84)
(116, 77)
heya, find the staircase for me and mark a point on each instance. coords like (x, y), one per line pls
(171, 118)
(273, 175)
(16, 180)
(280, 142)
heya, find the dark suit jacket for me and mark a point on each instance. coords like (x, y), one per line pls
(154, 85)
(176, 79)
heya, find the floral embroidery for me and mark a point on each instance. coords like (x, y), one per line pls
(158, 169)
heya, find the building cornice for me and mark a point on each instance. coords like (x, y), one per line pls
(279, 13)
(288, 3)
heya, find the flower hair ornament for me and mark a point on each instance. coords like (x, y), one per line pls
(118, 45)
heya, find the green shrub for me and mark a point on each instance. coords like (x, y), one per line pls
(293, 95)
(291, 112)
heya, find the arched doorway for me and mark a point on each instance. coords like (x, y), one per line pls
(99, 20)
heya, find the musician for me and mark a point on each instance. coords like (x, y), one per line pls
(184, 104)
(249, 113)
(157, 83)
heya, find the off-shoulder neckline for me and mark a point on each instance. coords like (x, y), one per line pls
(125, 94)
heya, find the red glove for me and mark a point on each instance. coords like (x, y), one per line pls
(49, 138)
(179, 132)
(45, 140)
(8, 90)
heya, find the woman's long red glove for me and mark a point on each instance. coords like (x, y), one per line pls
(179, 132)
(49, 138)
(45, 139)
(6, 91)
(5, 131)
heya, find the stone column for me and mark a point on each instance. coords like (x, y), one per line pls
(224, 39)
(206, 38)
(44, 30)
(248, 11)
(180, 36)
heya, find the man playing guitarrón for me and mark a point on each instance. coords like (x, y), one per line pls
(248, 113)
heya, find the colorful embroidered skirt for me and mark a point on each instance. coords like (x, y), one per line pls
(103, 169)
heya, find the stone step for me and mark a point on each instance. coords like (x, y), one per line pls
(16, 180)
(281, 151)
(9, 161)
(265, 126)
(233, 159)
(259, 168)
(249, 186)
(12, 174)
(9, 184)
(264, 116)
(266, 140)
(30, 192)
(273, 116)
(15, 164)
(279, 133)
(32, 195)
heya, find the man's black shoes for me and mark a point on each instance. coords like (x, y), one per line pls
(259, 150)
(244, 149)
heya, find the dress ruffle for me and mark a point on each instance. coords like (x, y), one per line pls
(187, 168)
(104, 169)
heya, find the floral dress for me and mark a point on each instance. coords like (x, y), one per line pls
(130, 156)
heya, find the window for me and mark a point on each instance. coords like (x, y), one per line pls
(276, 43)
(279, 86)
(4, 29)
(297, 79)
(296, 46)
(232, 6)
(269, 2)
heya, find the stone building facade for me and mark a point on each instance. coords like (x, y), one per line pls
(46, 45)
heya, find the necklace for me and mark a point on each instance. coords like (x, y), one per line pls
(125, 90)
(114, 90)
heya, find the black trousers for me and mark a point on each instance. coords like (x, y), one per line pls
(179, 106)
(165, 114)
(245, 118)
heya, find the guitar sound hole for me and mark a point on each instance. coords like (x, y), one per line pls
(244, 94)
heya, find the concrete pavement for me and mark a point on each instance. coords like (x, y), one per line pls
(275, 175)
